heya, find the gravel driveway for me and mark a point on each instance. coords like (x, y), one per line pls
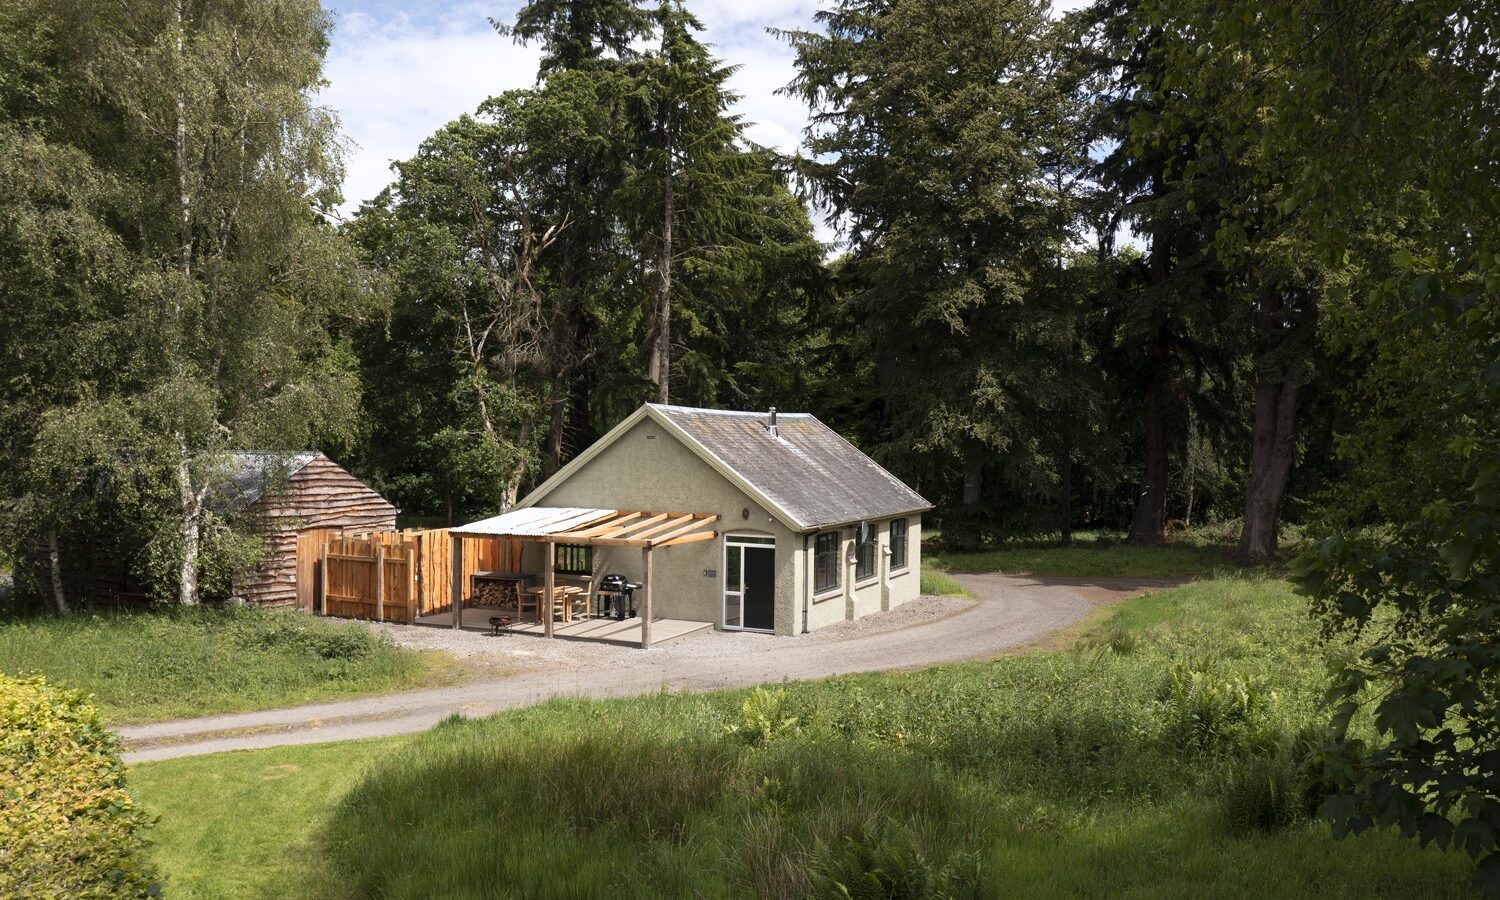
(1011, 612)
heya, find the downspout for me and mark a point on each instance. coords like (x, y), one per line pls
(807, 561)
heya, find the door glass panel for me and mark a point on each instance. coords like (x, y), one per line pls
(732, 568)
(732, 611)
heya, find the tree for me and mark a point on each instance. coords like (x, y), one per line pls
(708, 191)
(208, 172)
(935, 130)
(1175, 317)
(1412, 538)
(461, 237)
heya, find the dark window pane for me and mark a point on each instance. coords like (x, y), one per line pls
(864, 552)
(898, 543)
(826, 562)
(574, 559)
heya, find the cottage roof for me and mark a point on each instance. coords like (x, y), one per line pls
(806, 473)
(249, 474)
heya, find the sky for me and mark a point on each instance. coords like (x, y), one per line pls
(398, 71)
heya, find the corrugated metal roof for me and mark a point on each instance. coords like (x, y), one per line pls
(807, 470)
(249, 474)
(534, 521)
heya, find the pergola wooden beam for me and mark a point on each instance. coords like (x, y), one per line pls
(696, 523)
(614, 524)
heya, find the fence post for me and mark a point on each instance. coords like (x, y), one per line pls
(380, 581)
(411, 585)
(321, 595)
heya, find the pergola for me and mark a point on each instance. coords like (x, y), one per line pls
(593, 527)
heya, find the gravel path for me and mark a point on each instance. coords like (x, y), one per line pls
(1010, 613)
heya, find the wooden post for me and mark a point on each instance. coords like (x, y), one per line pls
(380, 581)
(456, 556)
(548, 582)
(646, 603)
(411, 585)
(320, 598)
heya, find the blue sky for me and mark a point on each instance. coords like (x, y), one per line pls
(399, 71)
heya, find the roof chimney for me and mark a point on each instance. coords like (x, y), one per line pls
(772, 427)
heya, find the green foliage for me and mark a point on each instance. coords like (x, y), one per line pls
(945, 140)
(70, 829)
(1205, 710)
(159, 665)
(763, 717)
(878, 862)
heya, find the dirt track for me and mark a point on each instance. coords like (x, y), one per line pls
(1011, 613)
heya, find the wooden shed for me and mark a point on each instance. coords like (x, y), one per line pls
(290, 494)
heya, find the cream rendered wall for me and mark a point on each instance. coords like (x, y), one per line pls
(885, 590)
(647, 468)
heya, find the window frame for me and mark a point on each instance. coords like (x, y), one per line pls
(574, 553)
(905, 545)
(862, 549)
(836, 551)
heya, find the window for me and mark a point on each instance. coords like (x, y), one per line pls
(898, 544)
(864, 552)
(574, 559)
(826, 562)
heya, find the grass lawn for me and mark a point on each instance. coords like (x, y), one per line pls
(1097, 554)
(145, 666)
(1157, 758)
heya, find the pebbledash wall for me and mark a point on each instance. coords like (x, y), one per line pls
(648, 468)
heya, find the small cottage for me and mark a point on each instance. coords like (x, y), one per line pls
(806, 529)
(289, 494)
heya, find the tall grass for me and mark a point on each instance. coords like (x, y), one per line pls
(936, 583)
(142, 666)
(1168, 765)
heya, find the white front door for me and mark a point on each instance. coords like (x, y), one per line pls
(750, 582)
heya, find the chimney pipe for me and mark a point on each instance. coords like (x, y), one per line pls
(772, 427)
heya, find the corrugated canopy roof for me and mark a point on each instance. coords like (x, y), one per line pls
(807, 470)
(607, 527)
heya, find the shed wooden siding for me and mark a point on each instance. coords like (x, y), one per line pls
(319, 495)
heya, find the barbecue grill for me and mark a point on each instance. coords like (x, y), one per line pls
(617, 593)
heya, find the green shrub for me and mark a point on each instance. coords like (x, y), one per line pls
(878, 862)
(763, 717)
(1207, 711)
(68, 828)
(1266, 793)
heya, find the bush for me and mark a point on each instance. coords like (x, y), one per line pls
(1206, 711)
(1270, 792)
(878, 862)
(69, 828)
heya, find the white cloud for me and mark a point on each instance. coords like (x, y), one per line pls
(394, 81)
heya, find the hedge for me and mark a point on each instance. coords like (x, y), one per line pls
(68, 828)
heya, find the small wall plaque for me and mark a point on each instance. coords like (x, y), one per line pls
(710, 573)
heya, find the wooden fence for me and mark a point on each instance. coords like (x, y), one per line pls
(392, 576)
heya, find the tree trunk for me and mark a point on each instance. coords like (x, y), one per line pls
(190, 530)
(973, 474)
(1151, 503)
(54, 564)
(1270, 464)
(1065, 506)
(180, 150)
(661, 353)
